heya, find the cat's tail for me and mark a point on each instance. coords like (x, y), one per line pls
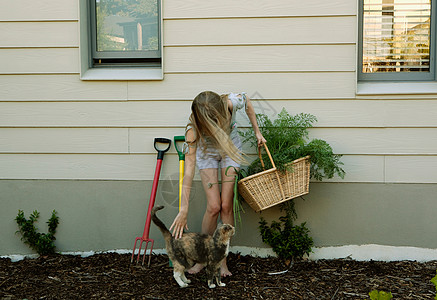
(159, 223)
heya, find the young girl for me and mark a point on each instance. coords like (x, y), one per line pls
(212, 140)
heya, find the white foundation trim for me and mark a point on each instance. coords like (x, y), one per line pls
(375, 252)
(356, 252)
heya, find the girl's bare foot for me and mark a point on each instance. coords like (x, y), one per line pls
(196, 269)
(224, 271)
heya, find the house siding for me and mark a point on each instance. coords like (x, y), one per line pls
(59, 131)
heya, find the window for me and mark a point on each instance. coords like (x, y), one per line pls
(125, 32)
(396, 40)
(121, 40)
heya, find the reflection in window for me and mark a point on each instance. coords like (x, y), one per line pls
(126, 25)
(396, 36)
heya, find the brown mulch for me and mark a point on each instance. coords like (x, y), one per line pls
(111, 276)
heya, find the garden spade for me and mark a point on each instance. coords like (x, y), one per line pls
(180, 138)
(181, 154)
(145, 236)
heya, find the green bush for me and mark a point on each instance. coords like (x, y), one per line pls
(288, 241)
(42, 243)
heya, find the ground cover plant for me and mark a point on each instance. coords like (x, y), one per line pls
(112, 276)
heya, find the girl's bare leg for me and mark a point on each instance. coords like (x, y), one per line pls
(213, 206)
(227, 212)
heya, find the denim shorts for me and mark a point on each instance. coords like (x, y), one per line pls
(209, 157)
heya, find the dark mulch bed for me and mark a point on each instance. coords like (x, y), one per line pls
(111, 276)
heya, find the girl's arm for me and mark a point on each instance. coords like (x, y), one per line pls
(180, 221)
(252, 117)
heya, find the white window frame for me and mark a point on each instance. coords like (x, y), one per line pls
(88, 72)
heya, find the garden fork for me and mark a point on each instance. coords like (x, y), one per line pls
(145, 236)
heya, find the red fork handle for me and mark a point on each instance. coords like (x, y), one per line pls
(152, 198)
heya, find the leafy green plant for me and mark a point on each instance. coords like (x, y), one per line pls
(42, 243)
(434, 281)
(287, 138)
(288, 241)
(380, 295)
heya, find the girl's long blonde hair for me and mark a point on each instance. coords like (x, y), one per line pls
(211, 118)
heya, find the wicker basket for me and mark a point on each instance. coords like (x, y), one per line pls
(271, 187)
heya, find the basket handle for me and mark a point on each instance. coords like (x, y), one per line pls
(273, 165)
(268, 153)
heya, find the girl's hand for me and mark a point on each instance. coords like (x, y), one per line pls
(261, 140)
(179, 224)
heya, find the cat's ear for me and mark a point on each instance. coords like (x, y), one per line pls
(232, 230)
(228, 228)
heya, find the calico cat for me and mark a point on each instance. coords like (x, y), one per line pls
(194, 248)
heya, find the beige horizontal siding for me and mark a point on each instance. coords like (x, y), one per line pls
(298, 85)
(28, 10)
(24, 10)
(178, 86)
(39, 34)
(290, 58)
(361, 168)
(86, 166)
(407, 169)
(58, 88)
(64, 140)
(245, 8)
(258, 31)
(415, 141)
(349, 141)
(94, 114)
(330, 113)
(41, 10)
(39, 60)
(84, 140)
(378, 169)
(279, 58)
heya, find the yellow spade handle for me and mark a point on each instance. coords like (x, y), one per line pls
(181, 179)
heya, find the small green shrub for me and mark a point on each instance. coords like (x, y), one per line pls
(288, 241)
(42, 243)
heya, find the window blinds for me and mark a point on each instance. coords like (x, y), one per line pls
(396, 36)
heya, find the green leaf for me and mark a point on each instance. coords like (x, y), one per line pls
(380, 295)
(434, 281)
